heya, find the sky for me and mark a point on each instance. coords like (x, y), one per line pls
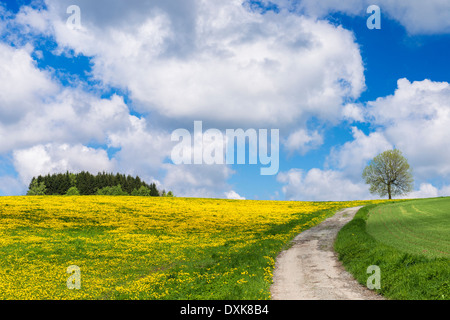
(105, 87)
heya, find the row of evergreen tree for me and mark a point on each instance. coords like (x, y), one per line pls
(85, 183)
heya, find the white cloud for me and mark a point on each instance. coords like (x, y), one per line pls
(231, 65)
(353, 156)
(303, 141)
(36, 109)
(420, 17)
(233, 195)
(426, 190)
(23, 86)
(33, 21)
(353, 112)
(331, 185)
(197, 180)
(54, 158)
(324, 7)
(142, 149)
(415, 119)
(54, 124)
(321, 185)
(417, 16)
(444, 191)
(70, 116)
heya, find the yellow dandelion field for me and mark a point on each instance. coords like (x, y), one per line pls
(147, 248)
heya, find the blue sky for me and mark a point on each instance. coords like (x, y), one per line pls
(108, 95)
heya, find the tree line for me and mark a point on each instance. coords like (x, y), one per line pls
(85, 183)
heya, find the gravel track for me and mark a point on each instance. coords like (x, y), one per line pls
(310, 269)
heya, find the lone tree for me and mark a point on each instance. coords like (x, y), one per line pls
(389, 174)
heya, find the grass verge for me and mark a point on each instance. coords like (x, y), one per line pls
(404, 276)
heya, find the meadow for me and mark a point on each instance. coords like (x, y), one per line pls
(147, 248)
(418, 227)
(410, 243)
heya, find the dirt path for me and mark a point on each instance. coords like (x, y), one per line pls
(310, 270)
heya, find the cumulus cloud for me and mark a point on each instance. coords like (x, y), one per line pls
(71, 116)
(420, 17)
(197, 180)
(303, 141)
(353, 112)
(321, 185)
(142, 149)
(415, 119)
(219, 62)
(417, 16)
(36, 109)
(233, 195)
(47, 126)
(55, 158)
(23, 85)
(426, 190)
(353, 156)
(39, 116)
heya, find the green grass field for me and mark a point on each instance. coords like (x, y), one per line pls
(417, 227)
(408, 241)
